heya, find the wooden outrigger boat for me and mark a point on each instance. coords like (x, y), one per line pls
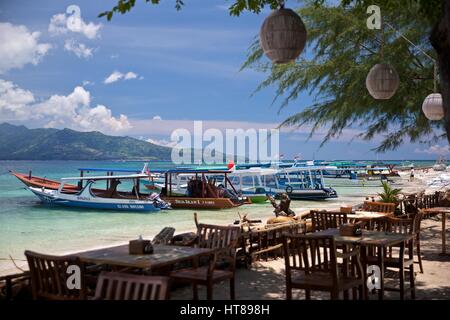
(32, 181)
(110, 198)
(41, 182)
(202, 191)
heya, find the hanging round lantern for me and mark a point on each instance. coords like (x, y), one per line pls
(282, 36)
(432, 107)
(382, 81)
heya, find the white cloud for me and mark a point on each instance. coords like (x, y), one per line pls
(435, 149)
(117, 75)
(114, 56)
(157, 118)
(113, 77)
(72, 111)
(79, 49)
(19, 47)
(14, 101)
(130, 75)
(62, 24)
(87, 83)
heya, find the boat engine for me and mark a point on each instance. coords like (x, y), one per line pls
(158, 202)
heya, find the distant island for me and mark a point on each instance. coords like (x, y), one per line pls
(21, 143)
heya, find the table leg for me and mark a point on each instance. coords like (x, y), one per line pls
(381, 265)
(444, 220)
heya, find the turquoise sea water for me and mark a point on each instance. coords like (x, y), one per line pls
(27, 224)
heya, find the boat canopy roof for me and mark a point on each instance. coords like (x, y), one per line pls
(129, 176)
(254, 172)
(110, 170)
(193, 171)
(308, 168)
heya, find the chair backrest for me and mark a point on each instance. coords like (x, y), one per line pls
(391, 224)
(164, 236)
(217, 237)
(310, 253)
(384, 207)
(123, 286)
(55, 277)
(269, 239)
(417, 221)
(348, 210)
(322, 220)
(401, 226)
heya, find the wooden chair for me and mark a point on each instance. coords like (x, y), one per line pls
(268, 241)
(347, 210)
(164, 236)
(322, 220)
(311, 265)
(224, 240)
(374, 206)
(124, 286)
(50, 277)
(400, 261)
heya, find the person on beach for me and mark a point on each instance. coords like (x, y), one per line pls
(411, 176)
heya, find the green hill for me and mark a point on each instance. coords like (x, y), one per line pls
(21, 143)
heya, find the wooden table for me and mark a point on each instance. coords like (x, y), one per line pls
(162, 256)
(443, 211)
(380, 240)
(367, 215)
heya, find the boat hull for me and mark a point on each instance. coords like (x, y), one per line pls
(318, 194)
(200, 203)
(257, 198)
(49, 197)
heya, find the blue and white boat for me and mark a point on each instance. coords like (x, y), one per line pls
(109, 198)
(300, 183)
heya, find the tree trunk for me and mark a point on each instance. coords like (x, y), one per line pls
(440, 39)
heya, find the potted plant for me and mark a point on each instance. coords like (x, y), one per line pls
(390, 195)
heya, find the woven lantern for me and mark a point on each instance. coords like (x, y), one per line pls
(432, 107)
(283, 36)
(382, 81)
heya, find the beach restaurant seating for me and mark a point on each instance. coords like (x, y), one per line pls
(311, 263)
(266, 242)
(322, 220)
(222, 238)
(375, 206)
(50, 275)
(417, 227)
(398, 259)
(124, 286)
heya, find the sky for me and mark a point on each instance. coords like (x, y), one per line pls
(149, 72)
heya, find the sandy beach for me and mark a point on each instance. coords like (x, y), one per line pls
(266, 279)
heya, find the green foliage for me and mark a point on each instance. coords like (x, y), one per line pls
(389, 194)
(20, 143)
(344, 51)
(124, 6)
(432, 9)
